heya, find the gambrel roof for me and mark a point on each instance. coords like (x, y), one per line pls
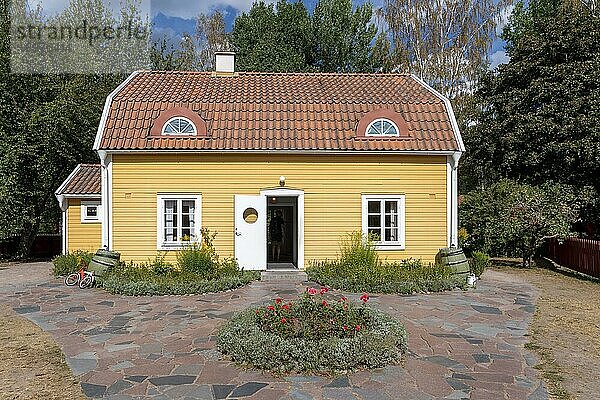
(276, 111)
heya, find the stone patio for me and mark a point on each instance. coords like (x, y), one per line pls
(462, 345)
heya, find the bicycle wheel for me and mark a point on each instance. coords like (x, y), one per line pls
(87, 281)
(72, 280)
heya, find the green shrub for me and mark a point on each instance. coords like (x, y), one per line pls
(314, 334)
(201, 259)
(143, 282)
(159, 266)
(359, 269)
(66, 264)
(200, 271)
(357, 250)
(513, 219)
(479, 262)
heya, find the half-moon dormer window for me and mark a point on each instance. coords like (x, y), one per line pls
(382, 127)
(179, 126)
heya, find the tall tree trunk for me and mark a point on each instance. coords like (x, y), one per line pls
(26, 239)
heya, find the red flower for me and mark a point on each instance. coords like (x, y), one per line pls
(285, 306)
(311, 291)
(324, 303)
(365, 297)
(345, 328)
(270, 308)
(283, 320)
(324, 290)
(357, 328)
(278, 300)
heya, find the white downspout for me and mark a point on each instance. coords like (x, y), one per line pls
(62, 201)
(454, 199)
(105, 161)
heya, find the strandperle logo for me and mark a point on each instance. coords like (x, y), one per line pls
(84, 31)
(80, 39)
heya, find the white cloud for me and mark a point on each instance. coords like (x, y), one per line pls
(497, 58)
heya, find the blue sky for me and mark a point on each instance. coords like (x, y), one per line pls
(174, 17)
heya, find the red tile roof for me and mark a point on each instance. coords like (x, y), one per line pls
(84, 180)
(275, 111)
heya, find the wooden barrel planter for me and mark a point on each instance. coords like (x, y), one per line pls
(455, 259)
(103, 260)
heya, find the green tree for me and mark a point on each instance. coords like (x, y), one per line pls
(163, 57)
(273, 38)
(343, 36)
(47, 126)
(511, 219)
(538, 117)
(445, 43)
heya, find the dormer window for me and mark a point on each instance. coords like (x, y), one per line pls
(382, 127)
(179, 126)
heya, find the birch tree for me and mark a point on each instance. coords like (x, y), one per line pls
(443, 42)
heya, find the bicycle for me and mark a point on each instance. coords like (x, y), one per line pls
(82, 278)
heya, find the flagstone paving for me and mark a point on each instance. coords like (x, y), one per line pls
(462, 345)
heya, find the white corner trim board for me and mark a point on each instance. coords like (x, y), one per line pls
(106, 109)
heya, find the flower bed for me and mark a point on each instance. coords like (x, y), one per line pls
(317, 333)
(359, 269)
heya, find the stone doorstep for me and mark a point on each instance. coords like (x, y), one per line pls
(283, 276)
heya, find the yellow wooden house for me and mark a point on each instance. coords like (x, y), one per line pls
(319, 155)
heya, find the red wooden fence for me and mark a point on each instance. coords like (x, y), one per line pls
(582, 255)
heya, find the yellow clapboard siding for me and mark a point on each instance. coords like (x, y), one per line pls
(81, 236)
(332, 185)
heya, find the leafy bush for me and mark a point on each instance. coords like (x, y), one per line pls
(66, 264)
(359, 269)
(139, 281)
(479, 262)
(200, 271)
(356, 250)
(159, 266)
(512, 219)
(202, 259)
(315, 334)
(198, 259)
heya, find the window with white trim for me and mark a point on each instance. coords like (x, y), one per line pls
(91, 211)
(383, 220)
(179, 126)
(382, 127)
(178, 220)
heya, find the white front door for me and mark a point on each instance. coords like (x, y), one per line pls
(250, 223)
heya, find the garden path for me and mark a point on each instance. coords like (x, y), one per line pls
(461, 344)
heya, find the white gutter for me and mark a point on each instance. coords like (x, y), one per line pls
(284, 151)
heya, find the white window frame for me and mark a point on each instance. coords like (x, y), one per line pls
(161, 244)
(400, 244)
(179, 133)
(380, 120)
(85, 219)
